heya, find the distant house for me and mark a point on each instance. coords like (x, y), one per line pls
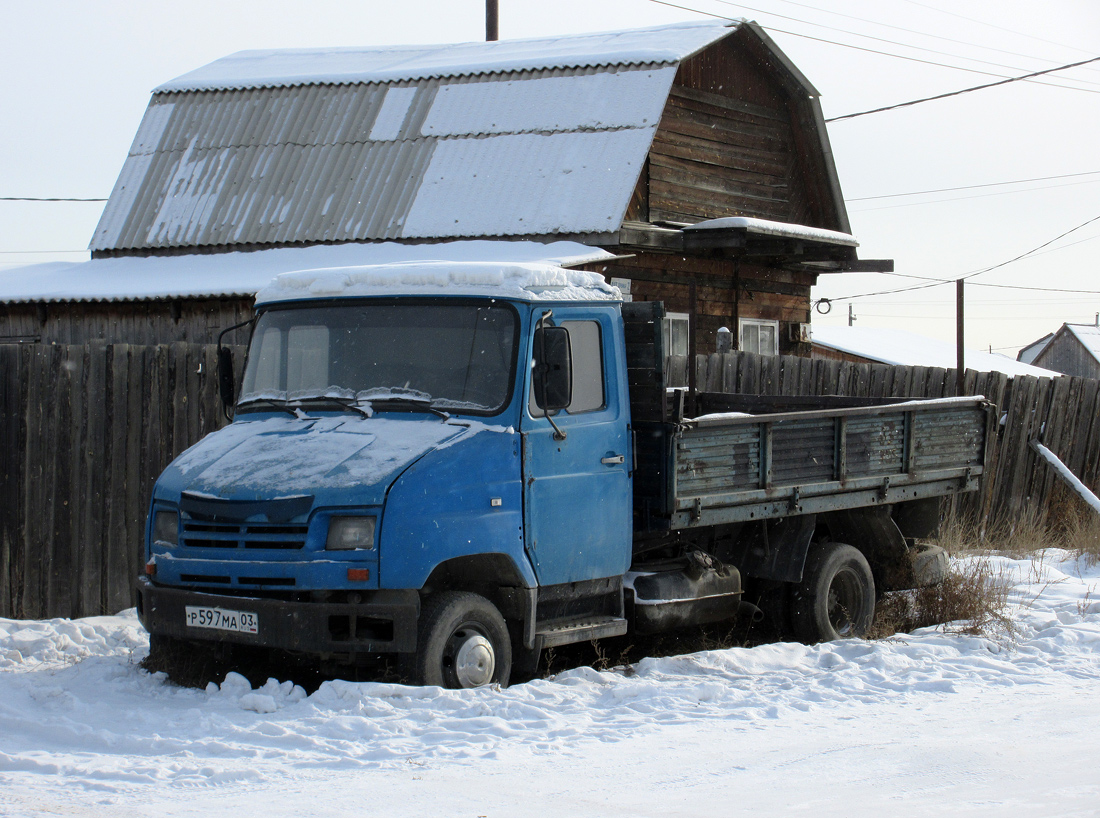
(901, 348)
(689, 162)
(1072, 350)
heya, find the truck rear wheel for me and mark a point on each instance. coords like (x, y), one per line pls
(836, 599)
(462, 642)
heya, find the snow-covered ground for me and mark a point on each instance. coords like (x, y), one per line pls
(928, 723)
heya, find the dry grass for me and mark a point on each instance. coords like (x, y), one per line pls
(972, 599)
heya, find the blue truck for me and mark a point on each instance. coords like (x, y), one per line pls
(459, 465)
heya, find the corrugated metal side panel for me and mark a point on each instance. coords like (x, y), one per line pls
(298, 164)
(876, 445)
(947, 439)
(803, 451)
(712, 461)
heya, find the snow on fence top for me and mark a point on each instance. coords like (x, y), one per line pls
(526, 282)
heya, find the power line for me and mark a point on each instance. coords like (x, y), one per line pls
(926, 33)
(965, 90)
(940, 283)
(975, 196)
(999, 28)
(853, 47)
(37, 199)
(887, 41)
(974, 187)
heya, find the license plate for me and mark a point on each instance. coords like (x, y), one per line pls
(222, 619)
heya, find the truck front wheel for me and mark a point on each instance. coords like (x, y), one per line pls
(836, 599)
(462, 642)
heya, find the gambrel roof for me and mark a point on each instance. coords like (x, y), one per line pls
(526, 138)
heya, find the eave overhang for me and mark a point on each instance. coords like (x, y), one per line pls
(764, 242)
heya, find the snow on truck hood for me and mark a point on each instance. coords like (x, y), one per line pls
(520, 281)
(285, 456)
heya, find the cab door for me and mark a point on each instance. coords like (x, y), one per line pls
(577, 490)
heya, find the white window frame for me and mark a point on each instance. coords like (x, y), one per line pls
(666, 325)
(757, 322)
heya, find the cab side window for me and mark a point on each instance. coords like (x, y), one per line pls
(586, 345)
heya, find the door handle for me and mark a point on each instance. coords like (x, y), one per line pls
(614, 460)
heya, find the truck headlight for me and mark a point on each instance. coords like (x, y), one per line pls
(166, 527)
(349, 533)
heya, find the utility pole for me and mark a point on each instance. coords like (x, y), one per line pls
(960, 376)
(492, 20)
(851, 315)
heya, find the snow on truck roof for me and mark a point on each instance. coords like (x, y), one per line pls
(518, 281)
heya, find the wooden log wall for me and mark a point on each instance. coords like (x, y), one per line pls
(193, 320)
(85, 432)
(737, 137)
(724, 292)
(1061, 413)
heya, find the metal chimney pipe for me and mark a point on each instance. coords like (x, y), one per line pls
(492, 20)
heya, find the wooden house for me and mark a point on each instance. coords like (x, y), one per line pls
(1072, 350)
(690, 163)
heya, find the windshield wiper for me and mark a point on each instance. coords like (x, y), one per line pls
(346, 403)
(283, 407)
(415, 402)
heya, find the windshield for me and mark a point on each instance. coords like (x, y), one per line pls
(457, 356)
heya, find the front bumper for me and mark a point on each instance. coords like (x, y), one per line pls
(384, 623)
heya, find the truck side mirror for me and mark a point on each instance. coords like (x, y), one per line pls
(553, 381)
(227, 388)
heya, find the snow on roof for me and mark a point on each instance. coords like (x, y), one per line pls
(527, 282)
(243, 274)
(1089, 336)
(1029, 353)
(901, 348)
(288, 67)
(780, 229)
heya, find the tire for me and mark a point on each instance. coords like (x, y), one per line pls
(836, 599)
(462, 642)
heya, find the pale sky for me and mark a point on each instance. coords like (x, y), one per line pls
(78, 76)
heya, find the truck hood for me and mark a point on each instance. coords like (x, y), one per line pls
(285, 456)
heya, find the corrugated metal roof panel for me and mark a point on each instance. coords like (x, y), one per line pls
(598, 101)
(533, 184)
(257, 69)
(535, 153)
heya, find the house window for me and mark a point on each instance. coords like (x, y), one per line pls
(756, 335)
(676, 333)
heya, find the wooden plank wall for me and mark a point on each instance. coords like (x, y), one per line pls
(86, 430)
(764, 292)
(1062, 413)
(193, 320)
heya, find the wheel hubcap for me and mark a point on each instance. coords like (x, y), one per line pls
(474, 659)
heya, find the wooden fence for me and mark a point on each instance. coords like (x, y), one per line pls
(85, 430)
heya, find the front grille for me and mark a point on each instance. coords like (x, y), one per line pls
(269, 536)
